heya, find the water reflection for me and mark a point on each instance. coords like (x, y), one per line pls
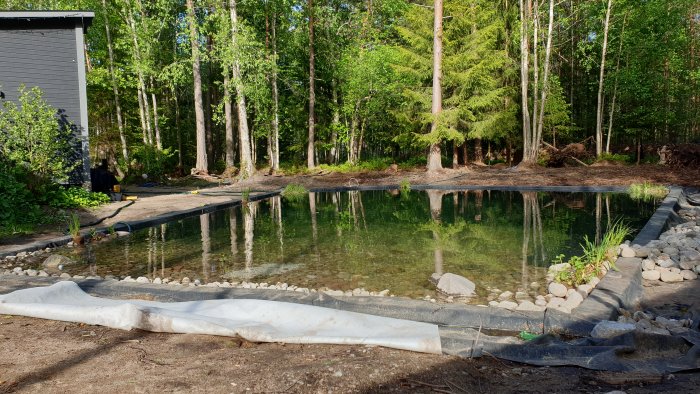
(374, 240)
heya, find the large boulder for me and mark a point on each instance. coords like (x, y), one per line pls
(55, 260)
(456, 286)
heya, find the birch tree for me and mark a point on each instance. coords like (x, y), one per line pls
(601, 80)
(201, 163)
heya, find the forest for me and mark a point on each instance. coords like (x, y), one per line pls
(231, 86)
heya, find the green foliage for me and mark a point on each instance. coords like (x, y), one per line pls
(155, 163)
(616, 157)
(245, 195)
(647, 191)
(583, 268)
(405, 186)
(18, 208)
(293, 192)
(31, 136)
(77, 197)
(377, 164)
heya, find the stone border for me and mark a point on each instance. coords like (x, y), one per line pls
(617, 289)
(134, 225)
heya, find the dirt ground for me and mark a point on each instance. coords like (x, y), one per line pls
(58, 357)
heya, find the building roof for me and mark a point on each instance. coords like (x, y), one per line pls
(48, 16)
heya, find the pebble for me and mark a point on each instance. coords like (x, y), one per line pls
(689, 275)
(510, 305)
(642, 251)
(626, 251)
(671, 277)
(648, 264)
(65, 275)
(157, 281)
(529, 306)
(651, 275)
(594, 281)
(506, 295)
(557, 289)
(142, 279)
(555, 302)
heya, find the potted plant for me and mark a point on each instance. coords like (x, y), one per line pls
(74, 229)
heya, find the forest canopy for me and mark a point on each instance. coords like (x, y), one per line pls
(211, 85)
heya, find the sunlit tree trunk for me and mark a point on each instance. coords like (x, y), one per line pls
(275, 143)
(247, 167)
(228, 115)
(233, 231)
(201, 163)
(525, 15)
(335, 124)
(159, 143)
(601, 80)
(249, 230)
(614, 96)
(115, 87)
(310, 149)
(434, 158)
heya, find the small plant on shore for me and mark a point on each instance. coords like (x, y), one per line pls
(595, 256)
(294, 192)
(647, 191)
(111, 231)
(74, 225)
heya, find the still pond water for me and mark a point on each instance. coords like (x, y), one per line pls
(372, 239)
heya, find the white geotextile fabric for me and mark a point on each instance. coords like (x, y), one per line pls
(254, 320)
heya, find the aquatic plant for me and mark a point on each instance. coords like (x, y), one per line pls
(405, 186)
(647, 191)
(595, 256)
(74, 225)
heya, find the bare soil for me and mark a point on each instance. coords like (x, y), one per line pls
(59, 357)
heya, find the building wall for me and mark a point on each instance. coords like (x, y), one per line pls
(47, 58)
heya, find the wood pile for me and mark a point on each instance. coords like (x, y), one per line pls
(680, 155)
(570, 154)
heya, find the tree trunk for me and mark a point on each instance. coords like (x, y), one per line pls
(478, 152)
(144, 108)
(228, 115)
(159, 143)
(465, 155)
(312, 93)
(201, 163)
(599, 108)
(247, 167)
(115, 88)
(434, 159)
(614, 96)
(275, 143)
(336, 123)
(455, 155)
(545, 79)
(525, 10)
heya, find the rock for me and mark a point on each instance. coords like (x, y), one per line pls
(586, 288)
(142, 279)
(559, 267)
(129, 279)
(690, 255)
(555, 302)
(435, 278)
(18, 270)
(671, 251)
(529, 306)
(510, 305)
(43, 273)
(123, 233)
(455, 285)
(651, 275)
(535, 285)
(687, 265)
(198, 282)
(609, 329)
(557, 289)
(648, 264)
(335, 292)
(666, 262)
(686, 274)
(671, 277)
(506, 295)
(626, 251)
(493, 304)
(639, 315)
(642, 251)
(594, 281)
(521, 296)
(384, 293)
(697, 269)
(65, 275)
(185, 281)
(53, 261)
(21, 255)
(32, 272)
(157, 281)
(675, 270)
(541, 302)
(573, 299)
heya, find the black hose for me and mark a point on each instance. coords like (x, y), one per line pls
(107, 217)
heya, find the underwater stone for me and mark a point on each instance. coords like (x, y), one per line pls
(53, 261)
(455, 285)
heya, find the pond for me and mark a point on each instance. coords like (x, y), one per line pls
(371, 239)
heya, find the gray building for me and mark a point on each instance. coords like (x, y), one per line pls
(46, 49)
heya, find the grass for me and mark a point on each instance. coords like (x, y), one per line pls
(294, 192)
(74, 225)
(590, 264)
(647, 191)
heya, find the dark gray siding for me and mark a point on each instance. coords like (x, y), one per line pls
(45, 58)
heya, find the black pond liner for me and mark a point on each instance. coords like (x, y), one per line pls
(461, 326)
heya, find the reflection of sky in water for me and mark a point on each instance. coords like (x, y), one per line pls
(376, 240)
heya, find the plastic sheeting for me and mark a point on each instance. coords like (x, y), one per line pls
(253, 320)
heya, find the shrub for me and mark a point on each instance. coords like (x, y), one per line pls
(294, 193)
(77, 197)
(626, 159)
